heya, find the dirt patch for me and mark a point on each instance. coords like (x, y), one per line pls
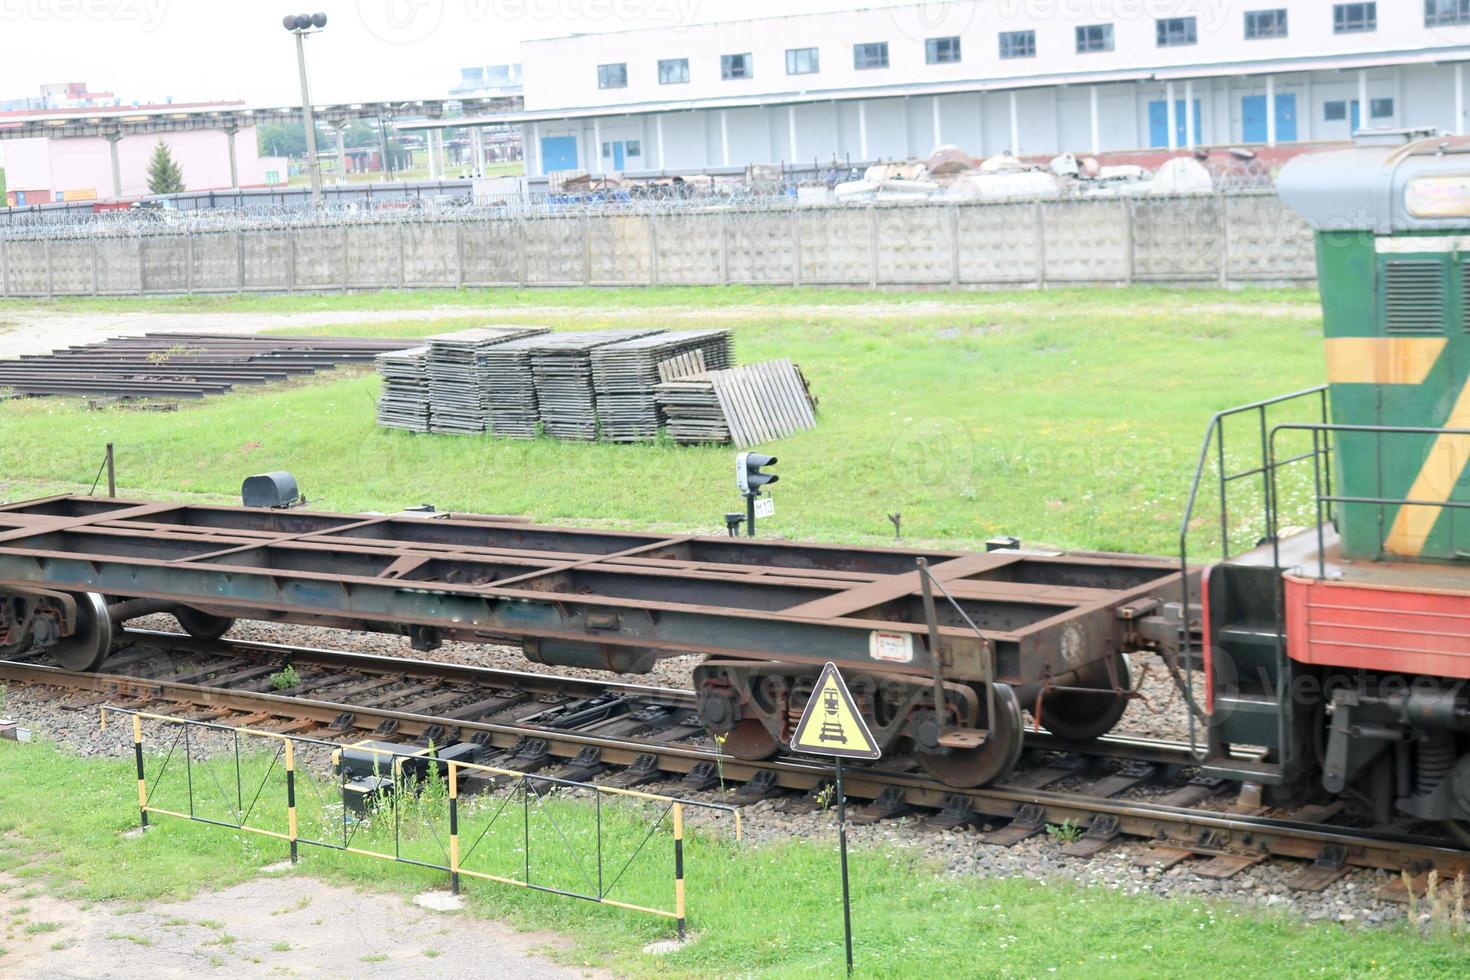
(273, 925)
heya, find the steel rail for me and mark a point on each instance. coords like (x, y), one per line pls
(1116, 745)
(1200, 832)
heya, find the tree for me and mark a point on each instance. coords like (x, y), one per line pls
(4, 199)
(164, 175)
(281, 140)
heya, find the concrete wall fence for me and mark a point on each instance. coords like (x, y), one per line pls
(1203, 240)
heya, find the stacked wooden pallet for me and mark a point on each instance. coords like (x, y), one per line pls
(459, 396)
(561, 366)
(404, 403)
(624, 375)
(512, 388)
(747, 406)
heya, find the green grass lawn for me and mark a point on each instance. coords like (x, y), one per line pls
(754, 910)
(1070, 418)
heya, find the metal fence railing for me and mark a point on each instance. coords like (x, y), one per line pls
(575, 839)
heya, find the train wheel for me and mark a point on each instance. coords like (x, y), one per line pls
(750, 741)
(1079, 716)
(202, 625)
(86, 648)
(990, 761)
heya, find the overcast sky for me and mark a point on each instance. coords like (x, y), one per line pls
(196, 50)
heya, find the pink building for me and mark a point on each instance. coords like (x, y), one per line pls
(42, 170)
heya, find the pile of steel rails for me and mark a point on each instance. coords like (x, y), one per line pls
(182, 365)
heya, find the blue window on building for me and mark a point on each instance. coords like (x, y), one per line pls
(1018, 44)
(1094, 37)
(1158, 123)
(1253, 123)
(802, 61)
(736, 66)
(874, 55)
(1176, 31)
(612, 76)
(1446, 13)
(1265, 23)
(558, 153)
(941, 50)
(1339, 110)
(1354, 18)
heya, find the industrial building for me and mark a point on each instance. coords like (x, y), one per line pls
(1037, 77)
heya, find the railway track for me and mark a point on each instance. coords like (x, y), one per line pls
(241, 664)
(632, 734)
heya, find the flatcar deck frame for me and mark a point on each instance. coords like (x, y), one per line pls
(497, 578)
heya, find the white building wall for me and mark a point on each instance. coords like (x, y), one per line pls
(1048, 120)
(562, 72)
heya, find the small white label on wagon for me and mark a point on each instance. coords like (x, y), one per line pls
(894, 648)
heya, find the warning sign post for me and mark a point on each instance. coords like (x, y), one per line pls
(832, 724)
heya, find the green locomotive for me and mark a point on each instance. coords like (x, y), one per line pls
(1343, 651)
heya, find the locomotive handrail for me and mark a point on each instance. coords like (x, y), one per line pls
(1330, 498)
(1215, 436)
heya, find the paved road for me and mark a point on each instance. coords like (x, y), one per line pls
(275, 926)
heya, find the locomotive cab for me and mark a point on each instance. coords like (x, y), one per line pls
(1344, 651)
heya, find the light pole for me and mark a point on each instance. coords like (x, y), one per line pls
(301, 25)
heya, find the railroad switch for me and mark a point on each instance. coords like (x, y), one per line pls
(361, 795)
(368, 768)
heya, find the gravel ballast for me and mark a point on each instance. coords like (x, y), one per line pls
(1350, 900)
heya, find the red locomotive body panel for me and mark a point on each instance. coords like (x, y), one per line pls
(1376, 625)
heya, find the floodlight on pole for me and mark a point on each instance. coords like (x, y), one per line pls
(301, 25)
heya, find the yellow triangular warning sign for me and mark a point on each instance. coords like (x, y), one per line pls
(832, 723)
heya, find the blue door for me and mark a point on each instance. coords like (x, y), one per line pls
(1286, 118)
(1357, 118)
(1158, 123)
(558, 153)
(1253, 118)
(619, 149)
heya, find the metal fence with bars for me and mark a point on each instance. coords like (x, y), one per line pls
(533, 831)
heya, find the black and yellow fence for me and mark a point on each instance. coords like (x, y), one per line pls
(532, 831)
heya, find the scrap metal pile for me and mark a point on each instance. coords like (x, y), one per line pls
(949, 173)
(181, 365)
(614, 385)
